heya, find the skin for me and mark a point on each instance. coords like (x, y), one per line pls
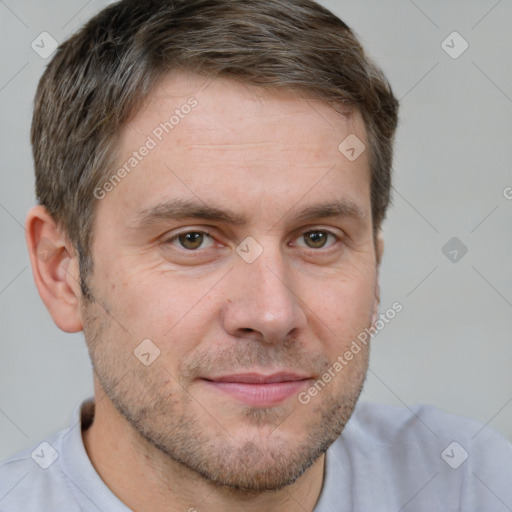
(162, 437)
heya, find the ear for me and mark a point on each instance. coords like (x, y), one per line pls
(379, 247)
(379, 250)
(55, 269)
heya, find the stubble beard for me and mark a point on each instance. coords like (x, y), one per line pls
(176, 424)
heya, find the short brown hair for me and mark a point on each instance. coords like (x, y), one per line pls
(100, 77)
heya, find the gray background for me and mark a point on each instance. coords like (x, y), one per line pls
(451, 345)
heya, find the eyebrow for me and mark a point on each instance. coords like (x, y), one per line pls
(178, 209)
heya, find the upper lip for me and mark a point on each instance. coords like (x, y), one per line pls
(257, 378)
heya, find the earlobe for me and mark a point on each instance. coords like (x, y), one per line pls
(54, 268)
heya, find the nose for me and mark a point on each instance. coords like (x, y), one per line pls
(263, 303)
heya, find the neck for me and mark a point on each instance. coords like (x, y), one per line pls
(145, 478)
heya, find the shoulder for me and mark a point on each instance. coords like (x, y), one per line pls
(422, 424)
(32, 480)
(459, 461)
(394, 422)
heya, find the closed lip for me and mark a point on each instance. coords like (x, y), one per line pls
(257, 378)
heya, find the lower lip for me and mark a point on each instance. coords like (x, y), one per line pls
(260, 395)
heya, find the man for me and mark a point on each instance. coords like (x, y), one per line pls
(212, 176)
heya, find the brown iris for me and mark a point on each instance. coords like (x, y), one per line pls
(315, 239)
(191, 240)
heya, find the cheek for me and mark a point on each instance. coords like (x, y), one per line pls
(343, 308)
(171, 311)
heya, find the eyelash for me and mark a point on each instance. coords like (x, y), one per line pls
(175, 237)
(337, 238)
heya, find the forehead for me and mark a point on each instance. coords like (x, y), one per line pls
(220, 139)
(222, 106)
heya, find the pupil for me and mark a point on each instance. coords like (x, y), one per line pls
(191, 240)
(317, 239)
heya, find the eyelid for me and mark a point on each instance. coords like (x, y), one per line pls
(169, 239)
(313, 229)
(300, 233)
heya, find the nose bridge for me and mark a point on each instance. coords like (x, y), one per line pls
(268, 276)
(263, 298)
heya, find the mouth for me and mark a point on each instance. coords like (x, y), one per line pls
(259, 390)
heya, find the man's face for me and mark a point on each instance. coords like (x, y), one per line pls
(228, 314)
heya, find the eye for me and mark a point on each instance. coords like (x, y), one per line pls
(318, 239)
(191, 240)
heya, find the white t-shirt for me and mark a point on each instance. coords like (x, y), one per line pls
(388, 459)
